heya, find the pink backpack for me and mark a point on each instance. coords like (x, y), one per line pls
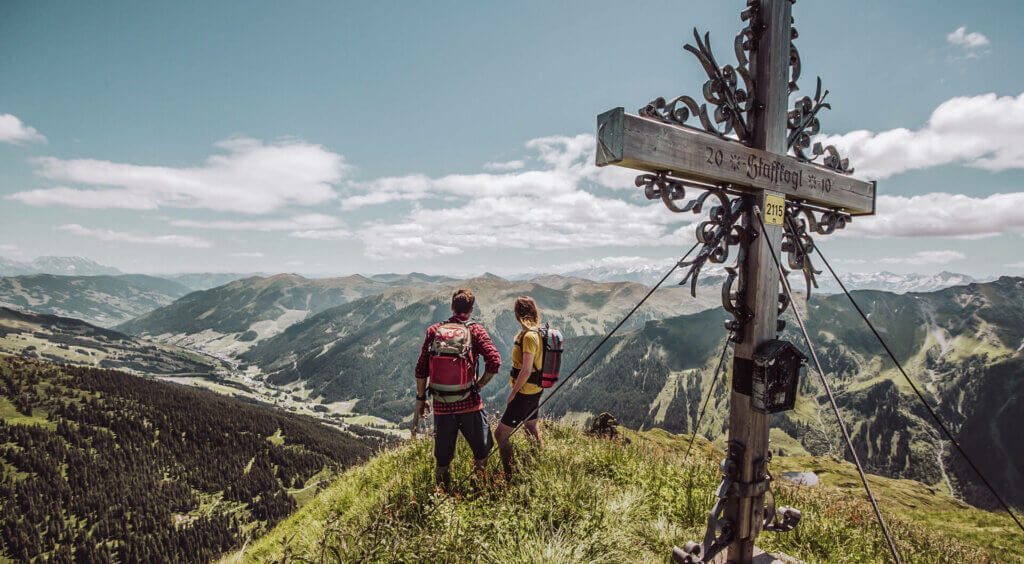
(551, 351)
(452, 372)
(549, 372)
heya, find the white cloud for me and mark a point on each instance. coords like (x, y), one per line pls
(572, 220)
(1016, 264)
(297, 222)
(552, 208)
(247, 255)
(927, 257)
(249, 177)
(969, 41)
(125, 237)
(13, 131)
(505, 166)
(11, 249)
(942, 215)
(322, 234)
(984, 131)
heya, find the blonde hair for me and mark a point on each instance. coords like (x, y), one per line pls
(527, 312)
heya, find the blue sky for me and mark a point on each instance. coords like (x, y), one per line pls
(322, 137)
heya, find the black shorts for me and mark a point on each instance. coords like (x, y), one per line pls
(472, 425)
(523, 407)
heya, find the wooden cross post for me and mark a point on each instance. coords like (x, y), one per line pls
(771, 74)
(757, 166)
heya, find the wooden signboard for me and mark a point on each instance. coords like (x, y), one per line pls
(645, 144)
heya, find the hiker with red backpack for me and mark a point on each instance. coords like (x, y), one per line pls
(536, 359)
(447, 370)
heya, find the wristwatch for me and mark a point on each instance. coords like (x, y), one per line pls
(421, 398)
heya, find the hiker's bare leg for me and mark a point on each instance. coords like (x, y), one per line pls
(503, 434)
(533, 429)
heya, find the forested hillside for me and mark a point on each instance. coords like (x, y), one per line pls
(99, 465)
(70, 341)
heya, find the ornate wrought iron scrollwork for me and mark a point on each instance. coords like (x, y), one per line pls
(803, 125)
(746, 40)
(794, 60)
(803, 121)
(798, 244)
(730, 89)
(722, 230)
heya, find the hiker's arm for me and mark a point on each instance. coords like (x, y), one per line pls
(422, 372)
(483, 380)
(423, 363)
(484, 346)
(524, 375)
(422, 407)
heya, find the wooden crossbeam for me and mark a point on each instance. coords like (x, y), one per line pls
(648, 145)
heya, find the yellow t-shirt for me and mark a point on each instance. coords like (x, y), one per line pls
(528, 341)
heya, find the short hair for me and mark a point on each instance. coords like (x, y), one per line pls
(527, 311)
(462, 301)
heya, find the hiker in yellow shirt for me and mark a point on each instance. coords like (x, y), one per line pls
(523, 401)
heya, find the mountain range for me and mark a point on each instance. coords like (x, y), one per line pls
(352, 341)
(103, 300)
(650, 273)
(69, 266)
(230, 319)
(962, 345)
(365, 350)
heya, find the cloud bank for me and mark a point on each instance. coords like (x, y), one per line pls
(249, 177)
(985, 131)
(110, 235)
(559, 206)
(943, 215)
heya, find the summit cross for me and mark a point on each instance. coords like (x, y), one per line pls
(751, 155)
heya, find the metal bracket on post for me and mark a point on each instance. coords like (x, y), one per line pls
(720, 531)
(784, 519)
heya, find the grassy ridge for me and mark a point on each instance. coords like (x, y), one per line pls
(583, 499)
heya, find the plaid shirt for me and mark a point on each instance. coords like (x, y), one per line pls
(482, 346)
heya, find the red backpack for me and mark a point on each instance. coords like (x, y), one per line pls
(452, 372)
(551, 341)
